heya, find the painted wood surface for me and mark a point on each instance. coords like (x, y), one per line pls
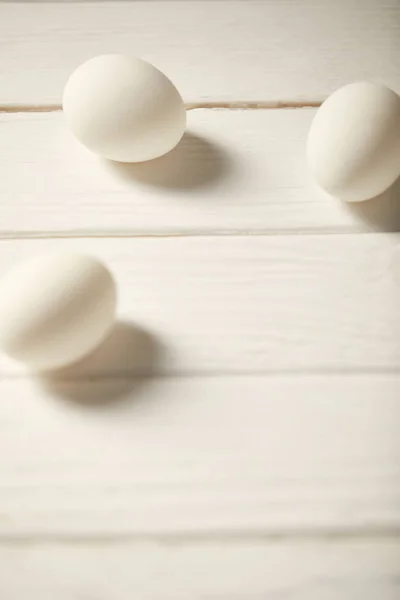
(362, 570)
(199, 457)
(251, 304)
(234, 172)
(252, 50)
(237, 435)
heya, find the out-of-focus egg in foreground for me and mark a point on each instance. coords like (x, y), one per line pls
(55, 309)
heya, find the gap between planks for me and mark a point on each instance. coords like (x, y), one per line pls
(6, 236)
(170, 539)
(141, 376)
(238, 105)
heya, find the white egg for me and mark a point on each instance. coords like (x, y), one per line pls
(123, 108)
(55, 309)
(354, 142)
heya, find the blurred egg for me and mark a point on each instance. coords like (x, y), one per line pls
(55, 309)
(123, 108)
(354, 142)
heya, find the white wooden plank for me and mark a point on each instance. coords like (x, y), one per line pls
(245, 571)
(199, 457)
(254, 50)
(236, 171)
(249, 304)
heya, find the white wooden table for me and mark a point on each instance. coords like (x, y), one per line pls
(237, 438)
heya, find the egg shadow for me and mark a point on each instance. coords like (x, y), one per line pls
(381, 213)
(194, 163)
(123, 363)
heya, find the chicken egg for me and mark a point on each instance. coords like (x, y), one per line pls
(55, 309)
(353, 148)
(123, 108)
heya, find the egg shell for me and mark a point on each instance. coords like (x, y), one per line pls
(123, 108)
(54, 309)
(353, 148)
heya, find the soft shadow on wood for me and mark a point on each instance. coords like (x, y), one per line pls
(194, 163)
(125, 361)
(381, 213)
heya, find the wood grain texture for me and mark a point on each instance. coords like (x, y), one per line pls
(199, 457)
(237, 435)
(234, 172)
(308, 571)
(256, 50)
(250, 304)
